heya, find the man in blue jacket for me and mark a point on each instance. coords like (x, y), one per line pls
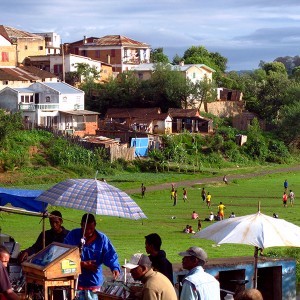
(96, 250)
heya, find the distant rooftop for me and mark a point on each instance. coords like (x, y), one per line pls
(62, 87)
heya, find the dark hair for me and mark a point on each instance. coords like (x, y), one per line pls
(56, 213)
(154, 240)
(3, 249)
(88, 218)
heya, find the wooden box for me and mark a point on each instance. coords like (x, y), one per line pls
(54, 262)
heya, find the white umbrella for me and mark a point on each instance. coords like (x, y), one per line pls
(257, 230)
(92, 196)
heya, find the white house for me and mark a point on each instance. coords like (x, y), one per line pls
(42, 103)
(52, 42)
(194, 72)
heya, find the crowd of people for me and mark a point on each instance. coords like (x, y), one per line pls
(154, 270)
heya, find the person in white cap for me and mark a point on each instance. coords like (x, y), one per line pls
(197, 284)
(156, 286)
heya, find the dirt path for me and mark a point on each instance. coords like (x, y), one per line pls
(214, 179)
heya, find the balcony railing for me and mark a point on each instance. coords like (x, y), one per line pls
(34, 107)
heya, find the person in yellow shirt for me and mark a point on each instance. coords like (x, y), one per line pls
(208, 199)
(221, 208)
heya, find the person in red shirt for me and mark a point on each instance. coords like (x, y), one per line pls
(284, 199)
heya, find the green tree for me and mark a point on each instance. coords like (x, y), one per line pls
(204, 91)
(168, 87)
(87, 73)
(296, 73)
(157, 56)
(289, 127)
(177, 59)
(200, 55)
(9, 123)
(274, 67)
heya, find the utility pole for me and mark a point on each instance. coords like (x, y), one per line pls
(63, 62)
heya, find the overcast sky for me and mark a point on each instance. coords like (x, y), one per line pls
(244, 31)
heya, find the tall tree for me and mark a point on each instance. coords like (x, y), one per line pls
(157, 56)
(200, 55)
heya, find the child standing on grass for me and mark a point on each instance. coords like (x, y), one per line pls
(199, 225)
(184, 196)
(284, 199)
(208, 200)
(175, 198)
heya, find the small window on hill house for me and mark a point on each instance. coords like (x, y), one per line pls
(4, 56)
(26, 47)
(41, 47)
(194, 75)
(48, 99)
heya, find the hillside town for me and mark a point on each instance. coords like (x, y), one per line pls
(33, 67)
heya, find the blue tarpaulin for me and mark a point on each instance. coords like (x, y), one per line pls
(22, 199)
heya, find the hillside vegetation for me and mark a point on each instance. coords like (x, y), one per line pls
(36, 156)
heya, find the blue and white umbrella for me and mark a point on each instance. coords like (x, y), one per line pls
(92, 196)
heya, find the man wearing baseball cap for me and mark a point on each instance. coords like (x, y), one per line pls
(156, 286)
(197, 284)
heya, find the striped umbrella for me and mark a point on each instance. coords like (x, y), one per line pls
(92, 196)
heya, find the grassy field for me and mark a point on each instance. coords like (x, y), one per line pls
(240, 195)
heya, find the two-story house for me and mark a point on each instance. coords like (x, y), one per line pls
(25, 43)
(23, 76)
(59, 64)
(52, 42)
(7, 50)
(56, 105)
(120, 51)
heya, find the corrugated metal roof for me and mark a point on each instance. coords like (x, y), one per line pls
(118, 40)
(131, 112)
(62, 87)
(79, 112)
(16, 74)
(24, 90)
(183, 68)
(14, 33)
(38, 72)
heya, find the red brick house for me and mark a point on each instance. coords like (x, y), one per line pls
(120, 51)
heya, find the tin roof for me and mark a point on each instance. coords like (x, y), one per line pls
(14, 33)
(24, 73)
(118, 40)
(132, 112)
(79, 112)
(62, 87)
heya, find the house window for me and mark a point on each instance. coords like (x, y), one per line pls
(57, 69)
(4, 56)
(125, 53)
(41, 47)
(65, 99)
(26, 47)
(97, 53)
(140, 75)
(5, 82)
(27, 98)
(194, 75)
(113, 53)
(48, 99)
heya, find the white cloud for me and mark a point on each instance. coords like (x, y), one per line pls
(239, 30)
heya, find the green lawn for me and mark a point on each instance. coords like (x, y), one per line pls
(241, 196)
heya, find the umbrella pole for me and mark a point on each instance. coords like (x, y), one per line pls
(44, 234)
(255, 267)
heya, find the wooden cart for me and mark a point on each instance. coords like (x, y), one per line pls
(58, 265)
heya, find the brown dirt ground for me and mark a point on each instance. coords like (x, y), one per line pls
(215, 179)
